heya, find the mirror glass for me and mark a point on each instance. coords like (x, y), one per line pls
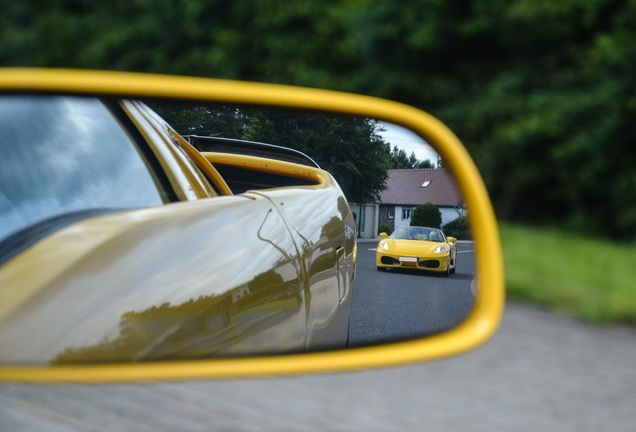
(152, 230)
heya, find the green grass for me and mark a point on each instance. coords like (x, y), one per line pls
(589, 278)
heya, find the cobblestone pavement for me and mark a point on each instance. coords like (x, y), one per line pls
(541, 372)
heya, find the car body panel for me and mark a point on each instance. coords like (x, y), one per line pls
(331, 261)
(134, 266)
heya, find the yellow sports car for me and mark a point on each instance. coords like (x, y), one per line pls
(121, 242)
(419, 248)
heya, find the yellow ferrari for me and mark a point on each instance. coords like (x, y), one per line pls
(420, 248)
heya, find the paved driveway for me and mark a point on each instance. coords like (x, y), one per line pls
(541, 372)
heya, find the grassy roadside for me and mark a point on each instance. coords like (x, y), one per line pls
(589, 278)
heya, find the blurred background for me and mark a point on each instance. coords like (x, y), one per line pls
(542, 93)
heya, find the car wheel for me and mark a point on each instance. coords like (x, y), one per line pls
(382, 269)
(452, 271)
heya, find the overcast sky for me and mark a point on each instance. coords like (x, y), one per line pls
(409, 141)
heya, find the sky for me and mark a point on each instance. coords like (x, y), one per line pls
(409, 141)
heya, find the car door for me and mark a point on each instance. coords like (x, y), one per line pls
(322, 225)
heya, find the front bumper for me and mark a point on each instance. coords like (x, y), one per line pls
(437, 263)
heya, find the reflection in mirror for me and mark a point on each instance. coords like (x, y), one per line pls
(254, 231)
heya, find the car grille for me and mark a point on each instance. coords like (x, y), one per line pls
(389, 261)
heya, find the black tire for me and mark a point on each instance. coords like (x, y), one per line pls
(382, 269)
(454, 265)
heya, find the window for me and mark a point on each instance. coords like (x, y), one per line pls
(407, 212)
(391, 214)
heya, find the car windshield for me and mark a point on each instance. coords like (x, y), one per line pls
(418, 233)
(65, 156)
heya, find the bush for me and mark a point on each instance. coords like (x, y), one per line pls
(427, 215)
(458, 228)
(385, 228)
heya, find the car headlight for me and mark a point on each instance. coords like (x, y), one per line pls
(384, 245)
(440, 249)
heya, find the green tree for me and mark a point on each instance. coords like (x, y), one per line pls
(427, 215)
(349, 148)
(206, 120)
(399, 160)
(458, 228)
(385, 228)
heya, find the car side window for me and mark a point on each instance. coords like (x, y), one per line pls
(64, 156)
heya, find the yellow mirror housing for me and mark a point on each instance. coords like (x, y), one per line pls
(473, 331)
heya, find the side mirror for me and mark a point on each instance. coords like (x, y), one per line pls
(208, 264)
(384, 235)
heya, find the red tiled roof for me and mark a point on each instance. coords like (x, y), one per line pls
(404, 188)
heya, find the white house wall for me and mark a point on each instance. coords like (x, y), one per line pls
(450, 214)
(366, 220)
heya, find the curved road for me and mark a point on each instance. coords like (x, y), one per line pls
(540, 372)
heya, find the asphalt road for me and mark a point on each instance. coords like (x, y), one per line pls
(403, 304)
(540, 372)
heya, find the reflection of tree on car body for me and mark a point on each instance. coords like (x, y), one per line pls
(203, 327)
(420, 248)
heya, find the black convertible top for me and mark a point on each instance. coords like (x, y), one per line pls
(249, 148)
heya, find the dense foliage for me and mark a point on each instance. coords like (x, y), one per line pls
(427, 215)
(458, 228)
(385, 228)
(542, 92)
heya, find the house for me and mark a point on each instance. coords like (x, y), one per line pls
(405, 190)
